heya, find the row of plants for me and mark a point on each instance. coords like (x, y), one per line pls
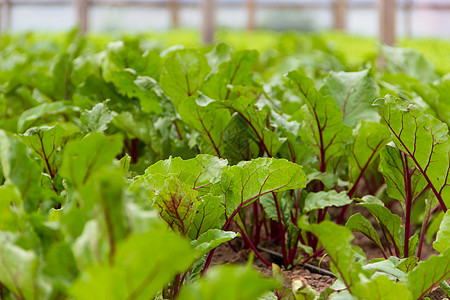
(124, 166)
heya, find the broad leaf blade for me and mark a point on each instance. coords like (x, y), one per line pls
(354, 93)
(428, 274)
(357, 223)
(322, 199)
(322, 121)
(183, 74)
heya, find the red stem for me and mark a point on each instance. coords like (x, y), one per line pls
(408, 202)
(424, 227)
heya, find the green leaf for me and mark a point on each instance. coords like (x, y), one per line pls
(211, 239)
(389, 223)
(45, 142)
(370, 138)
(183, 74)
(409, 61)
(428, 274)
(10, 211)
(385, 268)
(408, 264)
(210, 214)
(354, 93)
(208, 117)
(84, 157)
(196, 172)
(254, 123)
(144, 263)
(323, 199)
(32, 115)
(357, 223)
(237, 71)
(98, 118)
(228, 283)
(177, 204)
(392, 166)
(336, 240)
(126, 67)
(434, 226)
(20, 170)
(242, 184)
(18, 271)
(381, 288)
(422, 138)
(445, 287)
(323, 126)
(442, 242)
(60, 266)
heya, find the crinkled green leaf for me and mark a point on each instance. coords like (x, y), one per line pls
(354, 93)
(228, 283)
(125, 66)
(357, 223)
(424, 139)
(408, 264)
(409, 61)
(143, 264)
(98, 118)
(428, 274)
(210, 214)
(442, 242)
(434, 226)
(60, 265)
(196, 172)
(254, 122)
(20, 170)
(370, 138)
(323, 126)
(211, 239)
(208, 117)
(236, 71)
(83, 157)
(323, 199)
(177, 204)
(183, 74)
(243, 183)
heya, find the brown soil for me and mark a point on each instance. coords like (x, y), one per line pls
(225, 254)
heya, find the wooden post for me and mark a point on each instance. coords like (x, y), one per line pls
(174, 9)
(388, 10)
(251, 9)
(8, 21)
(209, 20)
(82, 7)
(408, 19)
(340, 14)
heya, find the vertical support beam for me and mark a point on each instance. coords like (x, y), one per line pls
(407, 10)
(1, 16)
(8, 14)
(174, 12)
(340, 14)
(251, 10)
(388, 12)
(209, 21)
(82, 7)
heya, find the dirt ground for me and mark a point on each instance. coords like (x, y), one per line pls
(225, 254)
